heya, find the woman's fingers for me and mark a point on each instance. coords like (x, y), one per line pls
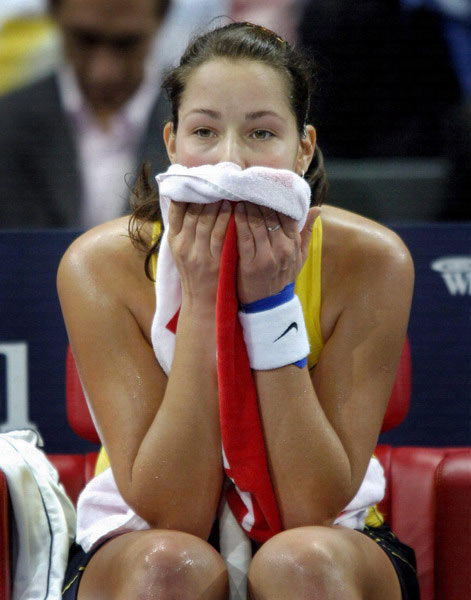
(196, 245)
(202, 226)
(276, 224)
(218, 233)
(265, 231)
(211, 227)
(272, 222)
(257, 220)
(260, 230)
(191, 218)
(245, 240)
(272, 250)
(289, 226)
(205, 221)
(176, 214)
(182, 220)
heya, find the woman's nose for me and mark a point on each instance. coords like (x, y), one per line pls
(232, 151)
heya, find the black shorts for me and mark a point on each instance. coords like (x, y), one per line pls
(401, 556)
(78, 560)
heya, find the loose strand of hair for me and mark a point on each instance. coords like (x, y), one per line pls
(317, 178)
(146, 208)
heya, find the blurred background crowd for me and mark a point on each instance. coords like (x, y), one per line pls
(81, 105)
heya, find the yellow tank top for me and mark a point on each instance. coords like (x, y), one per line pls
(308, 289)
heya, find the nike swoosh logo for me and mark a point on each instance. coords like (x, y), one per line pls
(293, 325)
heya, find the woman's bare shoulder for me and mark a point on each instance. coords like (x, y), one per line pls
(104, 263)
(361, 259)
(106, 250)
(353, 239)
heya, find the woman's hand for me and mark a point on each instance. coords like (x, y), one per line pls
(271, 250)
(196, 237)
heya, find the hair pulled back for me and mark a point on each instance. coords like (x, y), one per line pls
(240, 41)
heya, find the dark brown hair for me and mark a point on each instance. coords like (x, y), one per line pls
(235, 41)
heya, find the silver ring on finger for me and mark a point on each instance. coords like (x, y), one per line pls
(275, 228)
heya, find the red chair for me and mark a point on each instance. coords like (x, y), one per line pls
(427, 501)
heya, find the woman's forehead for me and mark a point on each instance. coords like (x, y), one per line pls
(220, 81)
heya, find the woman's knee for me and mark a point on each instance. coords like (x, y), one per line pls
(176, 562)
(309, 562)
(166, 565)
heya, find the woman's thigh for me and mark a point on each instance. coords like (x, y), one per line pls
(154, 564)
(314, 563)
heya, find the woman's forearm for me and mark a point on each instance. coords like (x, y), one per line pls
(177, 473)
(309, 467)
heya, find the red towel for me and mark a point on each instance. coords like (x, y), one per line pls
(251, 496)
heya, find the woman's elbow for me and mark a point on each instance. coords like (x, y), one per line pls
(315, 510)
(316, 516)
(198, 527)
(173, 513)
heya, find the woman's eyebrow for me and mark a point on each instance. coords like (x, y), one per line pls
(250, 116)
(263, 113)
(214, 114)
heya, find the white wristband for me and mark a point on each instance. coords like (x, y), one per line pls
(275, 337)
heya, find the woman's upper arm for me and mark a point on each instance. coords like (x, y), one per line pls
(356, 370)
(122, 380)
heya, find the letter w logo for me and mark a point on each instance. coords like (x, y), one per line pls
(458, 284)
(456, 273)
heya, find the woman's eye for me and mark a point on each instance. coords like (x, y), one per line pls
(262, 134)
(203, 132)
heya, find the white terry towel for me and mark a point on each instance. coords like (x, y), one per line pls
(279, 189)
(44, 517)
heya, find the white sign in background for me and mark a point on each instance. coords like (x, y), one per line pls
(16, 401)
(456, 273)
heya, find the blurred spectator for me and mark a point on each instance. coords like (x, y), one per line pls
(67, 141)
(455, 16)
(457, 202)
(385, 74)
(28, 42)
(185, 19)
(456, 19)
(280, 16)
